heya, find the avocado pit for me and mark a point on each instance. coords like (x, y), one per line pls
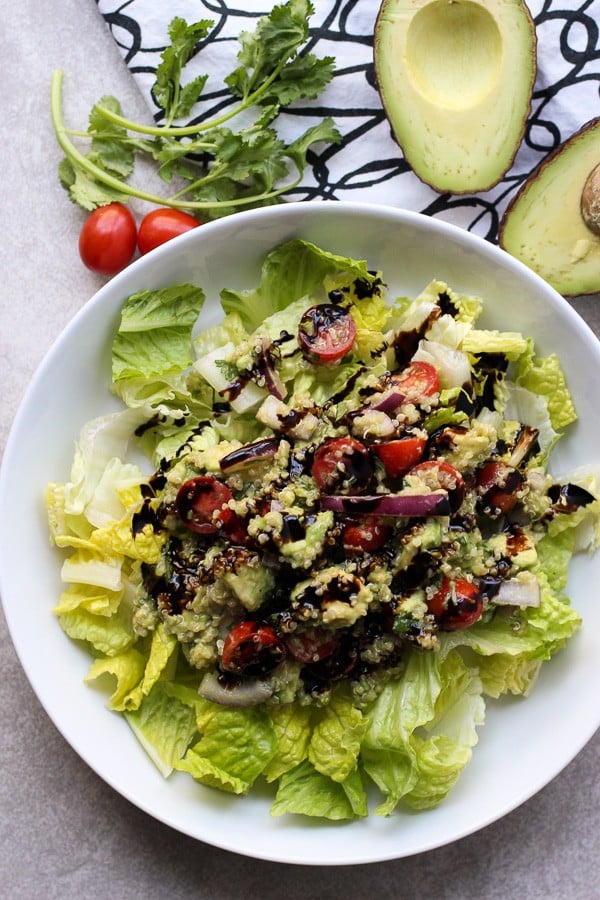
(590, 201)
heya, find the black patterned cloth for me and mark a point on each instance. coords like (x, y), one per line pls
(368, 166)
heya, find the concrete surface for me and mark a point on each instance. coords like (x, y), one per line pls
(63, 832)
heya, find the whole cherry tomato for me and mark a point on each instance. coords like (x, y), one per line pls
(439, 474)
(161, 225)
(251, 649)
(364, 535)
(107, 239)
(399, 455)
(458, 604)
(498, 485)
(311, 645)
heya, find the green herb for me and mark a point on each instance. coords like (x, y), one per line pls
(220, 169)
(228, 370)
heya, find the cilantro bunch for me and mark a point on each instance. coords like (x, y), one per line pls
(218, 169)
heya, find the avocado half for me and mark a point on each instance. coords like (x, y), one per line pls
(455, 79)
(544, 226)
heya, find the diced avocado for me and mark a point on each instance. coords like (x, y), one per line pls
(430, 534)
(519, 549)
(331, 596)
(544, 225)
(456, 78)
(470, 447)
(423, 537)
(251, 585)
(303, 552)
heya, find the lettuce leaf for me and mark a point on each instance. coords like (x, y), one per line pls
(109, 635)
(291, 271)
(421, 730)
(503, 674)
(545, 377)
(510, 343)
(160, 664)
(91, 597)
(164, 726)
(154, 335)
(293, 731)
(127, 668)
(304, 791)
(235, 747)
(102, 444)
(336, 739)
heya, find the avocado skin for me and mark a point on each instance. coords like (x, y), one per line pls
(543, 226)
(463, 142)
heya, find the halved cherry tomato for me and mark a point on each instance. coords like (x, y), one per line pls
(107, 239)
(364, 535)
(418, 381)
(251, 649)
(398, 456)
(200, 501)
(160, 225)
(326, 333)
(339, 664)
(437, 473)
(342, 464)
(311, 645)
(458, 604)
(498, 485)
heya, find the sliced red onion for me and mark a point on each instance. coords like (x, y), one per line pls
(273, 382)
(249, 453)
(523, 445)
(247, 692)
(517, 592)
(388, 401)
(416, 506)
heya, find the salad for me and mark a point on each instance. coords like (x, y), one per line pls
(345, 541)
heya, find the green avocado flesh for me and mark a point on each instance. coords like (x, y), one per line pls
(543, 226)
(455, 79)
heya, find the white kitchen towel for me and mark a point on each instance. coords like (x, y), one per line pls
(368, 165)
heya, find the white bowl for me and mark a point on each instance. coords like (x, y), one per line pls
(523, 744)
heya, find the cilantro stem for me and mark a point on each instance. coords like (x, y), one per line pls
(183, 130)
(79, 159)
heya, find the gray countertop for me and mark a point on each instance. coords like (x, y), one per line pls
(64, 832)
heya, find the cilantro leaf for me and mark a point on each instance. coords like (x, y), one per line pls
(221, 169)
(276, 39)
(324, 132)
(303, 78)
(167, 90)
(85, 191)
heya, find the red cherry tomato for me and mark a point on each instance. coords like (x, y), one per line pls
(498, 485)
(418, 381)
(251, 649)
(342, 464)
(200, 501)
(437, 473)
(458, 604)
(107, 239)
(326, 334)
(311, 645)
(400, 455)
(364, 535)
(160, 225)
